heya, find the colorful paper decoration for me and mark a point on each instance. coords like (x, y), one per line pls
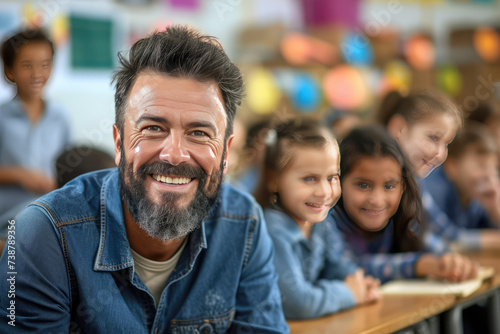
(60, 30)
(356, 49)
(450, 80)
(320, 13)
(419, 52)
(191, 5)
(306, 93)
(299, 49)
(487, 43)
(344, 88)
(397, 76)
(263, 94)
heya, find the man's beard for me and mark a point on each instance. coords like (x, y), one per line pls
(166, 221)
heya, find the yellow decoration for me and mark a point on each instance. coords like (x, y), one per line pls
(263, 94)
(450, 80)
(60, 29)
(397, 77)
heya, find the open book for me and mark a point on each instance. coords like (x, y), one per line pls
(437, 287)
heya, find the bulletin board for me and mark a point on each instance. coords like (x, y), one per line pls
(91, 42)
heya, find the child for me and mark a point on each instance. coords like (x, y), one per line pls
(424, 124)
(380, 200)
(488, 113)
(32, 130)
(466, 187)
(302, 179)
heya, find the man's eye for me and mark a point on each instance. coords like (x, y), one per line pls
(199, 133)
(153, 128)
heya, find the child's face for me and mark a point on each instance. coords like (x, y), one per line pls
(31, 68)
(372, 191)
(473, 173)
(425, 143)
(310, 186)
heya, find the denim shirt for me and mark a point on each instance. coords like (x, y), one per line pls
(311, 270)
(446, 215)
(74, 269)
(373, 254)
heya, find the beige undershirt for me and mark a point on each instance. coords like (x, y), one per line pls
(155, 274)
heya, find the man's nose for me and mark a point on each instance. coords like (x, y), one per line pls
(174, 150)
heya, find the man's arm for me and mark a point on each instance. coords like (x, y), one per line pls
(34, 286)
(258, 301)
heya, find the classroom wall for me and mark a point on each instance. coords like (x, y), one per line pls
(88, 96)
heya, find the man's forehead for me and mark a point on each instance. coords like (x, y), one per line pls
(151, 87)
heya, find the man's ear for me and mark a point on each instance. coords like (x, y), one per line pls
(397, 126)
(229, 141)
(117, 139)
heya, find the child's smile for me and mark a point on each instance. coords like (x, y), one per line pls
(372, 191)
(310, 186)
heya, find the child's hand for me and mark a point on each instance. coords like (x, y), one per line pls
(36, 182)
(373, 292)
(450, 266)
(356, 282)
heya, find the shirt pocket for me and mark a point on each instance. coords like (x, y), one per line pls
(205, 325)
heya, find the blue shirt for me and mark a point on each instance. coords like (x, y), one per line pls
(30, 146)
(75, 269)
(311, 270)
(373, 254)
(445, 215)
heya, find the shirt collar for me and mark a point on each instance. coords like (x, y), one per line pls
(114, 249)
(287, 225)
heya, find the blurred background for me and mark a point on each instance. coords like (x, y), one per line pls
(328, 59)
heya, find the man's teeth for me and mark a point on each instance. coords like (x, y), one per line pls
(172, 180)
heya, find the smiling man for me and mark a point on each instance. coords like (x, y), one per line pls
(159, 245)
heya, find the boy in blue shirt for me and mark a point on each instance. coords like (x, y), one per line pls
(33, 131)
(466, 188)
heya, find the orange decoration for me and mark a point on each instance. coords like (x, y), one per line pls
(299, 49)
(344, 88)
(487, 43)
(419, 52)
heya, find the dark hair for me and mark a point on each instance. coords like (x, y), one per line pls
(417, 107)
(474, 135)
(179, 52)
(279, 143)
(11, 46)
(79, 160)
(374, 141)
(484, 112)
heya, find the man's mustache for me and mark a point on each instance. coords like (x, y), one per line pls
(164, 168)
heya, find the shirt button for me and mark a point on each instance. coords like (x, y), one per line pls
(206, 329)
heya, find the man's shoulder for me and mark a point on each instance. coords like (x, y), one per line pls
(78, 199)
(237, 203)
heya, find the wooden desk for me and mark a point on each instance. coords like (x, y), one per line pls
(397, 312)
